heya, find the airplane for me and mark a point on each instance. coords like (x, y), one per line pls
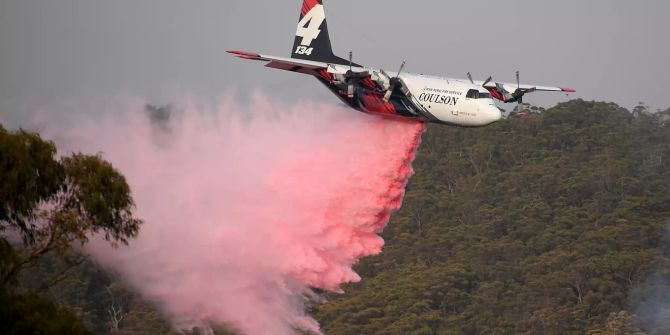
(455, 102)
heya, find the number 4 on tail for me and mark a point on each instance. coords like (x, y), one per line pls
(308, 28)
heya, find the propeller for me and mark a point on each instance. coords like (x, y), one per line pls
(402, 66)
(516, 96)
(350, 86)
(518, 84)
(519, 93)
(470, 77)
(395, 81)
(506, 96)
(351, 77)
(487, 81)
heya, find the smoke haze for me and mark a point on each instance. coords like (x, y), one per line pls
(653, 294)
(246, 208)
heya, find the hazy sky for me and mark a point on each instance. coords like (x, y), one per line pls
(55, 50)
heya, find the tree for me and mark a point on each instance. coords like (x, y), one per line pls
(46, 206)
(29, 174)
(49, 204)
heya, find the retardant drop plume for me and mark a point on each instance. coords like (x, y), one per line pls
(245, 209)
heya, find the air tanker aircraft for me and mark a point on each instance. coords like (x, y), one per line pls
(457, 102)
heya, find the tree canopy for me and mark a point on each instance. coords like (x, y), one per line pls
(48, 204)
(544, 223)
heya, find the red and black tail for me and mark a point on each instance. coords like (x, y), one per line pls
(311, 38)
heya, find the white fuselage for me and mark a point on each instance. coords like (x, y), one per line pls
(453, 101)
(450, 101)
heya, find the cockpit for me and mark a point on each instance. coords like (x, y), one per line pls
(475, 94)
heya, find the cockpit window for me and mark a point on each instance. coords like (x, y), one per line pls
(474, 94)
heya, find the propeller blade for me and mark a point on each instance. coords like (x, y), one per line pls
(470, 77)
(351, 59)
(487, 80)
(402, 66)
(518, 83)
(391, 86)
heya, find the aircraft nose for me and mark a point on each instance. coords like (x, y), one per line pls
(494, 113)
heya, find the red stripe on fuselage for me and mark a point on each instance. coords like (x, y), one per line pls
(325, 75)
(307, 5)
(375, 104)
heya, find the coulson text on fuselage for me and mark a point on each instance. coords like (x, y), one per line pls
(438, 99)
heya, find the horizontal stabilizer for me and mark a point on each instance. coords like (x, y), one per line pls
(282, 63)
(511, 87)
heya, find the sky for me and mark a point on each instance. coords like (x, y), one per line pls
(54, 51)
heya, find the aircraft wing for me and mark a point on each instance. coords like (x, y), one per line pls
(511, 87)
(282, 63)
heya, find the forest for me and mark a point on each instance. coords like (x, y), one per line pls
(551, 221)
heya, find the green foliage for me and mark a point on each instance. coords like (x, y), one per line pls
(100, 197)
(52, 204)
(30, 313)
(46, 206)
(539, 224)
(28, 174)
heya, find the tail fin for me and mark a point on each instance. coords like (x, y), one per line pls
(311, 38)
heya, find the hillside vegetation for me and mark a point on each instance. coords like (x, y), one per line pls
(553, 222)
(546, 223)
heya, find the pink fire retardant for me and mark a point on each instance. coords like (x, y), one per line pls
(247, 208)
